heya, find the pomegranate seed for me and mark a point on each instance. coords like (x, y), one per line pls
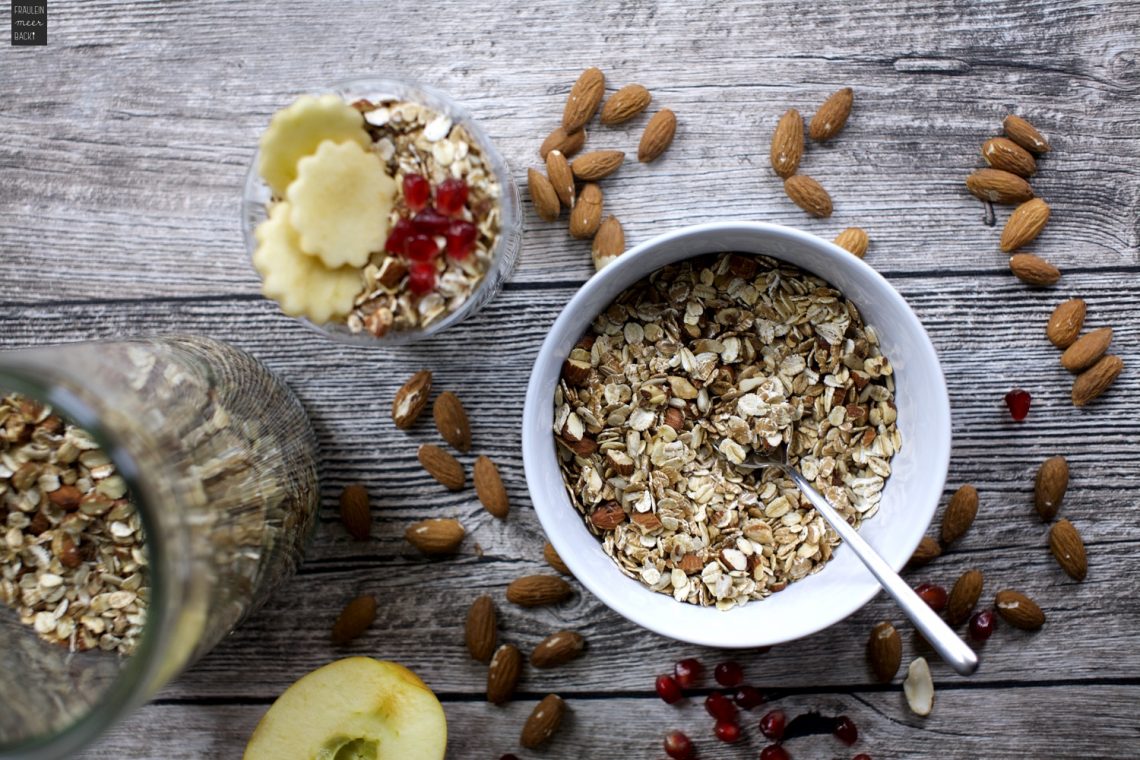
(451, 196)
(431, 222)
(688, 672)
(1018, 402)
(421, 279)
(421, 248)
(668, 689)
(862, 756)
(729, 674)
(845, 730)
(727, 731)
(774, 752)
(397, 241)
(678, 746)
(747, 697)
(772, 725)
(720, 706)
(982, 625)
(461, 239)
(417, 191)
(934, 595)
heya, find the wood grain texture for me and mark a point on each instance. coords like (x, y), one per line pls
(127, 140)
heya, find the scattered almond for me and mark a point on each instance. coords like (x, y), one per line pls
(1087, 349)
(561, 177)
(927, 550)
(557, 649)
(435, 537)
(1024, 224)
(586, 216)
(787, 144)
(568, 143)
(997, 186)
(411, 399)
(1068, 549)
(609, 242)
(442, 466)
(355, 512)
(675, 418)
(1050, 486)
(919, 687)
(66, 497)
(658, 136)
(960, 514)
(832, 115)
(451, 421)
(884, 651)
(964, 596)
(489, 487)
(1033, 270)
(482, 629)
(354, 619)
(1018, 610)
(607, 516)
(808, 194)
(596, 165)
(552, 559)
(1065, 323)
(544, 720)
(1004, 154)
(503, 674)
(576, 371)
(537, 590)
(853, 239)
(624, 104)
(542, 195)
(584, 98)
(1025, 134)
(1096, 379)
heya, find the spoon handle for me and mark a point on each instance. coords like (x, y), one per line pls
(952, 649)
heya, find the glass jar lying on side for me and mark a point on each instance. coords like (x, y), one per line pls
(152, 493)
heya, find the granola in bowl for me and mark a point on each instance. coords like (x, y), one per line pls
(687, 372)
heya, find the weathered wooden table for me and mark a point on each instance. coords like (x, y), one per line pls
(126, 141)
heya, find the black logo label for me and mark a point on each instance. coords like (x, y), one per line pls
(29, 22)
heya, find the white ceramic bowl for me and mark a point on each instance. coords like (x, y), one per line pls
(909, 498)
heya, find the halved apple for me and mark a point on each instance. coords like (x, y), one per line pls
(357, 708)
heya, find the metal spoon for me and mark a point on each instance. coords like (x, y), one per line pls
(952, 649)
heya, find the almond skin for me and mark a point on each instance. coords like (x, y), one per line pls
(1019, 610)
(809, 195)
(607, 516)
(1069, 549)
(1025, 134)
(503, 674)
(997, 186)
(584, 98)
(1002, 153)
(624, 104)
(586, 216)
(596, 165)
(435, 537)
(853, 239)
(354, 619)
(1065, 323)
(1049, 487)
(960, 514)
(1033, 270)
(1024, 224)
(964, 596)
(537, 590)
(451, 421)
(1096, 379)
(1087, 350)
(552, 559)
(355, 512)
(787, 144)
(543, 722)
(481, 631)
(927, 550)
(411, 399)
(489, 487)
(831, 117)
(609, 242)
(561, 177)
(557, 649)
(542, 195)
(576, 371)
(442, 466)
(568, 143)
(884, 651)
(658, 136)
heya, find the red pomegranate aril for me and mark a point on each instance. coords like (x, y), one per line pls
(461, 239)
(748, 697)
(451, 196)
(845, 730)
(772, 725)
(935, 596)
(678, 746)
(774, 752)
(1018, 402)
(982, 625)
(729, 674)
(688, 672)
(397, 241)
(431, 222)
(668, 689)
(727, 731)
(417, 191)
(421, 278)
(422, 248)
(720, 706)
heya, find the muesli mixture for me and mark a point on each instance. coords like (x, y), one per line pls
(689, 371)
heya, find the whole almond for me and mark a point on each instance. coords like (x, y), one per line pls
(354, 619)
(1033, 270)
(1002, 153)
(584, 98)
(1025, 134)
(808, 194)
(586, 215)
(503, 674)
(928, 549)
(481, 631)
(960, 514)
(561, 177)
(609, 242)
(997, 186)
(624, 104)
(964, 596)
(411, 399)
(451, 421)
(557, 649)
(1050, 486)
(658, 136)
(355, 512)
(1068, 549)
(1088, 348)
(542, 195)
(543, 722)
(1024, 224)
(607, 516)
(1019, 610)
(442, 466)
(550, 554)
(596, 165)
(537, 590)
(1065, 323)
(489, 487)
(853, 239)
(435, 537)
(830, 118)
(1096, 379)
(568, 143)
(884, 651)
(787, 144)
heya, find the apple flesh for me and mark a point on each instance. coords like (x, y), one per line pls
(353, 709)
